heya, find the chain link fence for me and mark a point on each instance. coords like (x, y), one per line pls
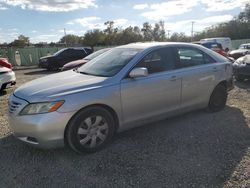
(26, 56)
(237, 43)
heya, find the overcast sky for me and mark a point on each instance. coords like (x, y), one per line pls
(44, 20)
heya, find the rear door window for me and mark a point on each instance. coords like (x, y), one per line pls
(189, 57)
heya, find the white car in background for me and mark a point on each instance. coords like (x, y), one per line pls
(7, 78)
(225, 42)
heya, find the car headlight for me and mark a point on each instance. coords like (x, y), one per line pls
(40, 108)
(44, 60)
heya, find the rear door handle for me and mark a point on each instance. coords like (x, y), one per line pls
(173, 78)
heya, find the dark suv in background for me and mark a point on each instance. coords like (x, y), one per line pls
(60, 58)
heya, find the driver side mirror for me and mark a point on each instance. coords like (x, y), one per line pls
(138, 72)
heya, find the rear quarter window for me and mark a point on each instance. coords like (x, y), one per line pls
(189, 56)
(216, 57)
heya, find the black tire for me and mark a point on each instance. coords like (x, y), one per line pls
(85, 119)
(240, 78)
(2, 88)
(218, 99)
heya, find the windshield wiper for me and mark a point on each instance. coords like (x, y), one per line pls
(84, 73)
(98, 75)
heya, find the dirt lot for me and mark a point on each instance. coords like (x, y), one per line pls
(198, 149)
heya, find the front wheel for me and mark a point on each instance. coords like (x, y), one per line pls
(218, 99)
(90, 130)
(240, 78)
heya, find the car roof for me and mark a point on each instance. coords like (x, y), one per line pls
(246, 44)
(78, 48)
(144, 45)
(216, 38)
(210, 42)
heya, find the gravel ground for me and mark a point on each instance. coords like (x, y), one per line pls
(198, 149)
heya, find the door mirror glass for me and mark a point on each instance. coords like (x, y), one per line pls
(138, 72)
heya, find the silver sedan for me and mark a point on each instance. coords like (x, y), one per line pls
(121, 89)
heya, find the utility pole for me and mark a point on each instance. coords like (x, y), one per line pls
(168, 33)
(192, 30)
(65, 36)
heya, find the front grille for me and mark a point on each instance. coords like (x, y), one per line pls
(13, 106)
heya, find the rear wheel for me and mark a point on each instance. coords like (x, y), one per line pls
(90, 130)
(218, 99)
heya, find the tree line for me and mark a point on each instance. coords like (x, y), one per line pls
(237, 28)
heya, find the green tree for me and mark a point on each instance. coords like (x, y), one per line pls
(179, 37)
(244, 16)
(70, 39)
(94, 38)
(237, 28)
(159, 33)
(147, 32)
(129, 35)
(20, 42)
(110, 32)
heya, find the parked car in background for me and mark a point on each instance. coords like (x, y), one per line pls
(7, 78)
(217, 47)
(121, 89)
(224, 41)
(5, 63)
(243, 50)
(60, 58)
(78, 63)
(241, 68)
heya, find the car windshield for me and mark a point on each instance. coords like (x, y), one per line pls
(58, 52)
(110, 63)
(95, 54)
(244, 46)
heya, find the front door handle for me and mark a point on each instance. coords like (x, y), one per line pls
(215, 69)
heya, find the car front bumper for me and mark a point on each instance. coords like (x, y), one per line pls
(242, 70)
(43, 64)
(40, 130)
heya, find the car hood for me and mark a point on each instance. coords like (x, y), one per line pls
(239, 51)
(58, 85)
(75, 63)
